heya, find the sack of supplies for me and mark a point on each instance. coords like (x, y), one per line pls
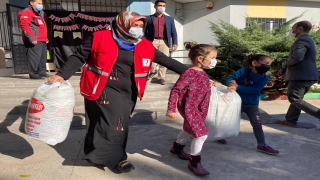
(50, 112)
(223, 119)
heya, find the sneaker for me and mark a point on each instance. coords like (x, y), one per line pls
(286, 123)
(267, 149)
(161, 81)
(221, 141)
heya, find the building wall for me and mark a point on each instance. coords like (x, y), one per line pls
(266, 8)
(239, 9)
(238, 13)
(3, 5)
(141, 7)
(311, 9)
(196, 20)
(171, 11)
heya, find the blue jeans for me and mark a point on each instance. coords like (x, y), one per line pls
(253, 114)
(296, 92)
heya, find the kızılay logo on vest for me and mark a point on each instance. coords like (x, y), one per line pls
(36, 106)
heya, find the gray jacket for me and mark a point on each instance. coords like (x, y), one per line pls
(301, 64)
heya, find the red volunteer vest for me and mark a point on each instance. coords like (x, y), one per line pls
(104, 53)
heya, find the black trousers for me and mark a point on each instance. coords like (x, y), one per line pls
(253, 114)
(37, 58)
(107, 128)
(296, 92)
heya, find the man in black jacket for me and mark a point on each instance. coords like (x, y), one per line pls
(301, 72)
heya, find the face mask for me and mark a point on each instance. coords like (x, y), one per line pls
(136, 32)
(262, 69)
(292, 34)
(38, 7)
(213, 63)
(161, 9)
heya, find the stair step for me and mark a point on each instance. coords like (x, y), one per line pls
(13, 108)
(4, 92)
(15, 94)
(140, 116)
(7, 82)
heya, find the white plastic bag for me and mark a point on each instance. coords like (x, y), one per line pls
(224, 114)
(50, 112)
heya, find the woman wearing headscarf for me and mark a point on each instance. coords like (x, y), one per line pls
(114, 74)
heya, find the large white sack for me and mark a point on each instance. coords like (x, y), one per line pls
(50, 112)
(224, 114)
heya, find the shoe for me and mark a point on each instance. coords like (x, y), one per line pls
(221, 141)
(45, 75)
(286, 123)
(125, 166)
(161, 81)
(178, 150)
(196, 167)
(267, 149)
(151, 74)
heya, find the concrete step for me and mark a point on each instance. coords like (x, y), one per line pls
(18, 98)
(140, 116)
(7, 82)
(25, 91)
(152, 103)
(21, 108)
(12, 104)
(15, 94)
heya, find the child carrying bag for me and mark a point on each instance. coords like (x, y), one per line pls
(50, 112)
(224, 114)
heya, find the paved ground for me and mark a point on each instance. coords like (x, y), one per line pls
(148, 149)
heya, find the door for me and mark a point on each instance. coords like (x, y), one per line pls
(20, 62)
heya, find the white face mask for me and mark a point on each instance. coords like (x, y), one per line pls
(136, 32)
(161, 9)
(213, 63)
(292, 34)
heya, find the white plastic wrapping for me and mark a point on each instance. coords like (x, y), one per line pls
(50, 112)
(224, 114)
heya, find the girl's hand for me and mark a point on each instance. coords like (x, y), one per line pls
(233, 83)
(231, 88)
(55, 78)
(171, 115)
(215, 84)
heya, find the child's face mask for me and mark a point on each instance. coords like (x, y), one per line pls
(262, 69)
(213, 63)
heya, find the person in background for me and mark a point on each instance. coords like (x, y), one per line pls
(35, 38)
(300, 71)
(191, 95)
(249, 82)
(123, 78)
(162, 32)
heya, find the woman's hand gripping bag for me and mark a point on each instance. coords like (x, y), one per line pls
(50, 112)
(224, 114)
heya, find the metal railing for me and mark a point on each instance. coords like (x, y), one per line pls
(4, 31)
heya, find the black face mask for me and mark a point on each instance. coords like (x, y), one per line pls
(263, 68)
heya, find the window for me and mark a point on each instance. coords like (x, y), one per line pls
(87, 5)
(267, 23)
